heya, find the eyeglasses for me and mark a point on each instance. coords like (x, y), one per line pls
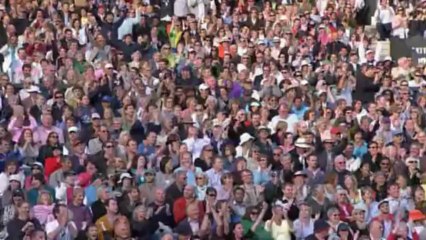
(212, 195)
(254, 213)
(109, 146)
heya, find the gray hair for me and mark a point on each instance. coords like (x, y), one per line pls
(137, 209)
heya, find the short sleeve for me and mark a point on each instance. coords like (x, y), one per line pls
(51, 226)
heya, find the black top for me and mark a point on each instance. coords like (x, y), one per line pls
(14, 228)
(98, 210)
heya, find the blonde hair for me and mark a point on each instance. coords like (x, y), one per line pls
(40, 195)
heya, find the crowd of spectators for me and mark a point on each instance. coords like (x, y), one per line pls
(211, 119)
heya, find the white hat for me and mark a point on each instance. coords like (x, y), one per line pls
(216, 122)
(241, 67)
(225, 39)
(255, 104)
(360, 206)
(304, 82)
(33, 89)
(261, 41)
(96, 115)
(369, 51)
(245, 137)
(388, 58)
(412, 159)
(109, 65)
(255, 95)
(301, 143)
(166, 19)
(320, 92)
(276, 39)
(73, 129)
(304, 62)
(262, 127)
(327, 137)
(203, 86)
(14, 177)
(125, 175)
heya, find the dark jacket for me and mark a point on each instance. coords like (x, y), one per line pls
(98, 210)
(365, 89)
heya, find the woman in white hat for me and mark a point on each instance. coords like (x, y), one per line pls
(244, 148)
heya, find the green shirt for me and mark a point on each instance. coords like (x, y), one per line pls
(259, 234)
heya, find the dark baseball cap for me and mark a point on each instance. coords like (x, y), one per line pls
(320, 225)
(18, 193)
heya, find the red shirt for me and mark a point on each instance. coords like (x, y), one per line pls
(51, 164)
(179, 209)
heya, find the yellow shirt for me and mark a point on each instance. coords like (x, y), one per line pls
(279, 232)
(103, 225)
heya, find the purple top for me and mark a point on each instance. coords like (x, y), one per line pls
(80, 214)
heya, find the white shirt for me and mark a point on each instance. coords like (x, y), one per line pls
(291, 122)
(214, 177)
(61, 192)
(384, 15)
(196, 145)
(65, 234)
(303, 230)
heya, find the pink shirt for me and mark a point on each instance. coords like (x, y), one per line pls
(17, 131)
(43, 132)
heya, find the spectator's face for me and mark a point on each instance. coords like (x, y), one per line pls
(36, 183)
(313, 162)
(79, 197)
(24, 209)
(247, 177)
(160, 196)
(239, 195)
(305, 211)
(181, 178)
(39, 235)
(188, 192)
(112, 206)
(92, 232)
(288, 191)
(152, 138)
(238, 231)
(373, 149)
(394, 191)
(384, 208)
(340, 164)
(218, 164)
(149, 177)
(47, 120)
(132, 146)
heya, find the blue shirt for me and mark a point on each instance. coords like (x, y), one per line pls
(299, 112)
(91, 196)
(260, 177)
(360, 151)
(145, 150)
